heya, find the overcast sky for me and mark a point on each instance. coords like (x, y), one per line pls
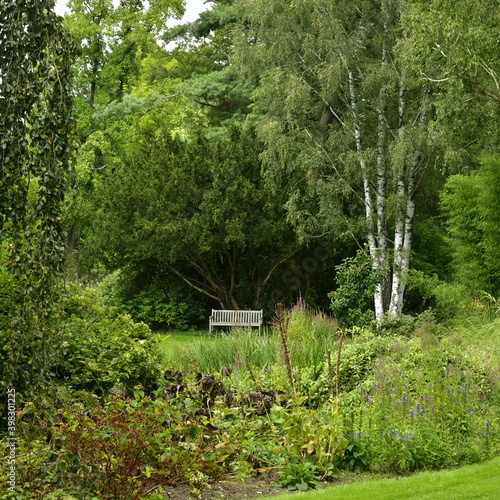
(193, 8)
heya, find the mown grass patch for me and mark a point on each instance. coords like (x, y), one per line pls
(466, 483)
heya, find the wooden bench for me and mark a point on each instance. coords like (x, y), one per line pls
(235, 319)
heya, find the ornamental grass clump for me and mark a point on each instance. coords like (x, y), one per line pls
(229, 352)
(310, 334)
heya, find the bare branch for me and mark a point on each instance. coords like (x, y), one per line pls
(192, 285)
(492, 73)
(169, 96)
(282, 261)
(434, 79)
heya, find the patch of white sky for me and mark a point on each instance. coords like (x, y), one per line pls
(193, 9)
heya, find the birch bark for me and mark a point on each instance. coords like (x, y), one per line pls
(381, 256)
(376, 250)
(403, 236)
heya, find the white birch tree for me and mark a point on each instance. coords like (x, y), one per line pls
(339, 108)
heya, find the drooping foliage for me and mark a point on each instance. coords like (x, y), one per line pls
(456, 44)
(455, 47)
(36, 133)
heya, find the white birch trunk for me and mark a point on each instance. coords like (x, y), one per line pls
(406, 250)
(400, 208)
(403, 236)
(381, 257)
(366, 181)
(367, 196)
(403, 250)
(399, 232)
(399, 245)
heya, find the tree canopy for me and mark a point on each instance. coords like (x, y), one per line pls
(220, 152)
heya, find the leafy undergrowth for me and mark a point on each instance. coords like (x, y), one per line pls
(325, 404)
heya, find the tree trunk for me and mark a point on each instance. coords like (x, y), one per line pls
(382, 290)
(399, 244)
(403, 250)
(403, 237)
(375, 250)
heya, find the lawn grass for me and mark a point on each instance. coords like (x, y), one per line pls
(174, 343)
(479, 481)
(179, 339)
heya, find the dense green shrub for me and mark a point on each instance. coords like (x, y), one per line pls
(355, 366)
(159, 302)
(404, 324)
(447, 301)
(40, 473)
(102, 349)
(470, 203)
(153, 307)
(352, 300)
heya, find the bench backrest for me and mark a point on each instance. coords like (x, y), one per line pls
(235, 318)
